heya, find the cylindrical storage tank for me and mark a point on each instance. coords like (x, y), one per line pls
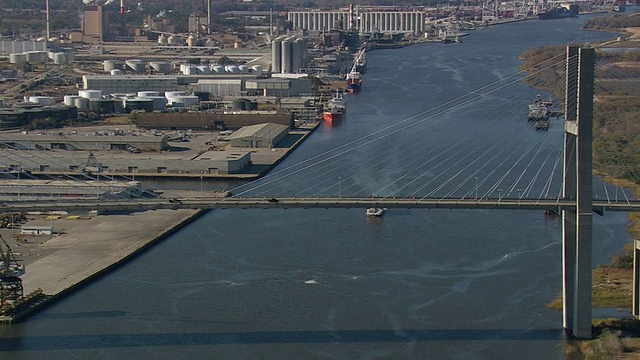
(297, 53)
(162, 67)
(276, 55)
(232, 69)
(138, 104)
(36, 56)
(204, 69)
(287, 55)
(159, 102)
(109, 65)
(17, 58)
(174, 94)
(189, 100)
(219, 69)
(116, 72)
(59, 58)
(243, 69)
(146, 94)
(162, 39)
(90, 94)
(171, 40)
(102, 106)
(190, 70)
(41, 100)
(69, 100)
(257, 69)
(191, 40)
(51, 55)
(81, 102)
(136, 65)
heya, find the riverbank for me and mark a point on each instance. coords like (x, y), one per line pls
(82, 250)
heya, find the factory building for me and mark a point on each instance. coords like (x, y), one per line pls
(365, 20)
(35, 141)
(33, 189)
(280, 87)
(94, 23)
(15, 118)
(165, 164)
(220, 87)
(112, 84)
(213, 120)
(258, 136)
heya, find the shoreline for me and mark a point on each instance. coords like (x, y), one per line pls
(109, 249)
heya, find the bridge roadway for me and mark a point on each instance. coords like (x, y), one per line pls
(77, 205)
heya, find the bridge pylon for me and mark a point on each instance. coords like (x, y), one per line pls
(577, 225)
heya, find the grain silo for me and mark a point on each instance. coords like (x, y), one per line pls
(287, 56)
(276, 55)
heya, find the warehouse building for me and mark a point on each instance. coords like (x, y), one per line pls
(35, 141)
(258, 136)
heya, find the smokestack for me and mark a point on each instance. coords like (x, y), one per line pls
(350, 16)
(122, 7)
(48, 22)
(209, 27)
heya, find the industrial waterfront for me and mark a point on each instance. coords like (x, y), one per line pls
(330, 283)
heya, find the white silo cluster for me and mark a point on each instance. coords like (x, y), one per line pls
(288, 54)
(188, 69)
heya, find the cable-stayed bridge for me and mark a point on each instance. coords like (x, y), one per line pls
(452, 173)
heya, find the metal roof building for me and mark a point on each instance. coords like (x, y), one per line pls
(35, 141)
(258, 136)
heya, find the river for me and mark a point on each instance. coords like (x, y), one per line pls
(334, 284)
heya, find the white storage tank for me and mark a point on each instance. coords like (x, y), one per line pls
(136, 65)
(70, 100)
(173, 94)
(162, 67)
(232, 69)
(110, 65)
(243, 69)
(81, 103)
(146, 94)
(219, 69)
(17, 58)
(162, 39)
(171, 40)
(90, 94)
(116, 72)
(257, 69)
(41, 100)
(204, 69)
(36, 56)
(60, 58)
(190, 70)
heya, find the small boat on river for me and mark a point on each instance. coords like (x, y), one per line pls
(375, 211)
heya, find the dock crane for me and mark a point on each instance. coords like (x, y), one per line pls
(10, 271)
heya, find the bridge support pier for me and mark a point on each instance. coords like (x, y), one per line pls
(577, 230)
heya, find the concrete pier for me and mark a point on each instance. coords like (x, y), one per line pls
(86, 248)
